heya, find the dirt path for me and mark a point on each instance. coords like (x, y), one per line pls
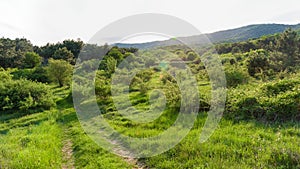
(119, 149)
(67, 155)
(125, 154)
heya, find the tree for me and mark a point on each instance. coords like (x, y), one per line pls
(12, 52)
(59, 71)
(258, 62)
(73, 46)
(111, 64)
(46, 51)
(31, 60)
(287, 43)
(116, 54)
(64, 54)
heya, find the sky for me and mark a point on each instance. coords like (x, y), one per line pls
(43, 21)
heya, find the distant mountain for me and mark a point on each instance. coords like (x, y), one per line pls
(231, 35)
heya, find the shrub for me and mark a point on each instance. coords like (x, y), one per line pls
(273, 101)
(236, 76)
(275, 88)
(4, 75)
(38, 74)
(24, 95)
(31, 60)
(60, 71)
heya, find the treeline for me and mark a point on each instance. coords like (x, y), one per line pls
(280, 52)
(19, 53)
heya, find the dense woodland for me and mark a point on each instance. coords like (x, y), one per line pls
(262, 106)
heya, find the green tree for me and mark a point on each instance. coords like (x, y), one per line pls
(64, 54)
(59, 71)
(116, 54)
(288, 43)
(111, 64)
(73, 46)
(12, 52)
(258, 62)
(31, 60)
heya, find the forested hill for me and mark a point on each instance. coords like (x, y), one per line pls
(231, 35)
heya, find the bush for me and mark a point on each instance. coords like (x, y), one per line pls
(24, 95)
(236, 76)
(273, 101)
(60, 71)
(31, 60)
(258, 62)
(38, 74)
(282, 86)
(4, 75)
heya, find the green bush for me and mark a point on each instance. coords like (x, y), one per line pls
(38, 74)
(24, 95)
(273, 101)
(60, 71)
(4, 75)
(236, 76)
(281, 86)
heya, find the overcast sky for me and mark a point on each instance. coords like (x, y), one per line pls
(43, 21)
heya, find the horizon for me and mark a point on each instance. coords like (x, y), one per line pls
(52, 21)
(151, 38)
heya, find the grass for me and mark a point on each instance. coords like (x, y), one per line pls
(244, 144)
(36, 140)
(32, 141)
(86, 152)
(235, 145)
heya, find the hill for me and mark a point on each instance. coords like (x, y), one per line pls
(231, 35)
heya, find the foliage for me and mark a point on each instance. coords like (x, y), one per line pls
(111, 64)
(38, 74)
(235, 76)
(288, 44)
(12, 52)
(258, 62)
(48, 50)
(272, 101)
(59, 71)
(24, 95)
(63, 54)
(31, 60)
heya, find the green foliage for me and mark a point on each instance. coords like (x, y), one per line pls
(5, 75)
(116, 54)
(31, 60)
(59, 71)
(38, 74)
(24, 95)
(258, 62)
(236, 76)
(281, 86)
(272, 101)
(111, 64)
(102, 86)
(48, 50)
(12, 52)
(63, 54)
(288, 44)
(73, 46)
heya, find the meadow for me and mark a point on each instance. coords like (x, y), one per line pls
(260, 128)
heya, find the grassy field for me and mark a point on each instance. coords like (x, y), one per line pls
(36, 141)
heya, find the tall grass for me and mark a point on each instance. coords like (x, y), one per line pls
(33, 141)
